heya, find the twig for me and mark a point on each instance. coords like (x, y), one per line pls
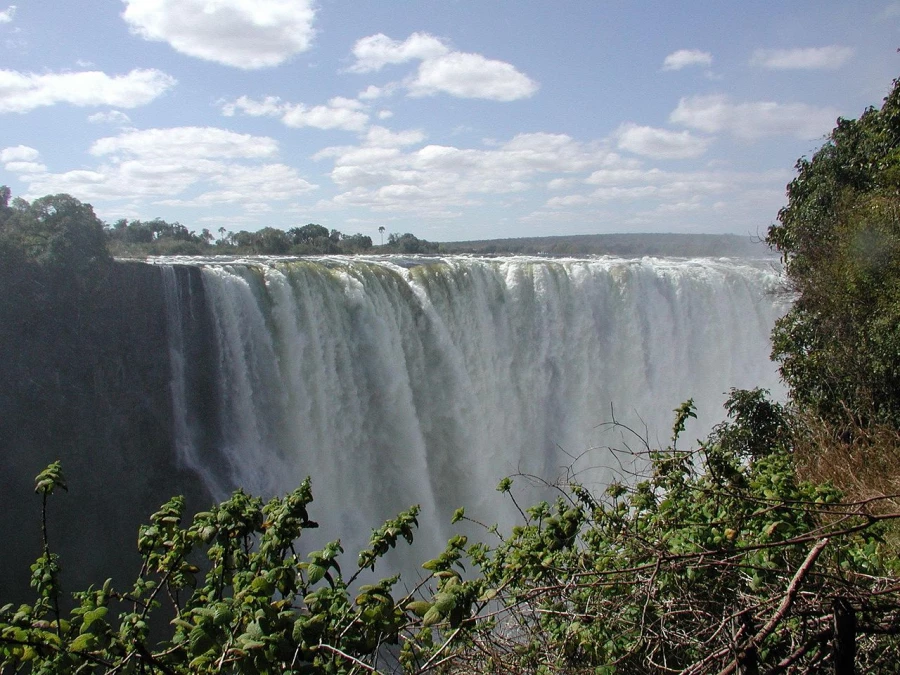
(352, 659)
(792, 589)
(430, 661)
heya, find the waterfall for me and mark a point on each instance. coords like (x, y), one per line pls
(393, 381)
(179, 381)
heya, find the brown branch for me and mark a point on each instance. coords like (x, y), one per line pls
(352, 659)
(792, 589)
(430, 663)
(800, 652)
(786, 602)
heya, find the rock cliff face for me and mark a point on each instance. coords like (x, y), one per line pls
(85, 378)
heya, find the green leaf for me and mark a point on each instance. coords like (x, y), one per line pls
(488, 595)
(315, 573)
(432, 616)
(82, 643)
(444, 602)
(50, 479)
(92, 616)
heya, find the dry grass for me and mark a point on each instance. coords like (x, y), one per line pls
(863, 462)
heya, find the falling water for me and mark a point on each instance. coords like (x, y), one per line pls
(396, 381)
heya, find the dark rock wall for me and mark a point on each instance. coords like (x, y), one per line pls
(85, 378)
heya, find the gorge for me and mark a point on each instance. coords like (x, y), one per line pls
(390, 380)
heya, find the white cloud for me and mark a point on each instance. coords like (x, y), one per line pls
(436, 180)
(178, 143)
(385, 114)
(624, 175)
(372, 92)
(568, 201)
(650, 194)
(748, 121)
(441, 70)
(562, 183)
(247, 34)
(270, 106)
(687, 57)
(7, 15)
(21, 159)
(19, 153)
(186, 166)
(22, 92)
(385, 138)
(340, 113)
(812, 58)
(25, 167)
(115, 117)
(239, 184)
(376, 51)
(660, 143)
(471, 76)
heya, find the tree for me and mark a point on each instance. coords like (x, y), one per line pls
(355, 243)
(839, 237)
(56, 231)
(410, 243)
(244, 239)
(307, 233)
(271, 241)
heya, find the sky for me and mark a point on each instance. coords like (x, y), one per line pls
(453, 120)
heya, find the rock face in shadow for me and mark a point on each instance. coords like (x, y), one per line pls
(85, 378)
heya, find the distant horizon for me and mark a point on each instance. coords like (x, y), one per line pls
(453, 121)
(609, 234)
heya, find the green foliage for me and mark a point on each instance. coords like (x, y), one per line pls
(409, 243)
(250, 604)
(157, 237)
(839, 236)
(688, 567)
(682, 413)
(712, 553)
(56, 231)
(49, 479)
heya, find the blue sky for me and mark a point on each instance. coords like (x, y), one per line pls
(458, 119)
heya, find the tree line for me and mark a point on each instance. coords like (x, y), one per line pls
(59, 228)
(158, 237)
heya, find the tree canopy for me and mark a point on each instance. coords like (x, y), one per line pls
(839, 236)
(55, 231)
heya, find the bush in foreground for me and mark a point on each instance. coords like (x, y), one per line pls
(715, 559)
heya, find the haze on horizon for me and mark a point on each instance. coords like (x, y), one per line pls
(453, 120)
